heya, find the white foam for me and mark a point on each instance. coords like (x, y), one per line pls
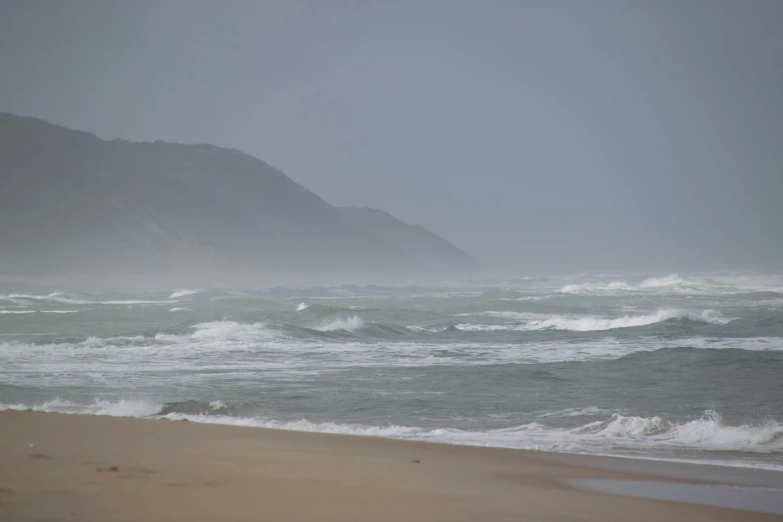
(390, 431)
(588, 288)
(16, 301)
(302, 306)
(672, 283)
(57, 297)
(134, 302)
(54, 297)
(623, 431)
(180, 310)
(419, 328)
(231, 331)
(470, 327)
(586, 324)
(676, 284)
(591, 323)
(520, 316)
(573, 412)
(207, 347)
(349, 324)
(182, 293)
(669, 280)
(40, 311)
(120, 408)
(707, 433)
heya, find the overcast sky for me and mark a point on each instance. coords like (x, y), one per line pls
(541, 136)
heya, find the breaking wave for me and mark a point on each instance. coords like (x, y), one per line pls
(670, 283)
(590, 288)
(348, 324)
(591, 323)
(55, 297)
(676, 284)
(39, 311)
(216, 332)
(587, 324)
(58, 297)
(671, 280)
(121, 408)
(182, 293)
(133, 302)
(649, 353)
(707, 433)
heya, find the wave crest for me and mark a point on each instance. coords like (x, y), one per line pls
(671, 283)
(217, 332)
(182, 293)
(230, 330)
(589, 288)
(587, 324)
(676, 284)
(348, 324)
(707, 433)
(592, 323)
(120, 408)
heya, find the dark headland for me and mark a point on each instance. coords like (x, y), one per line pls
(72, 203)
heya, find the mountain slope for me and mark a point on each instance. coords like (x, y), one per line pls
(414, 241)
(71, 202)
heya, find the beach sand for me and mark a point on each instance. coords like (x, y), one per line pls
(72, 467)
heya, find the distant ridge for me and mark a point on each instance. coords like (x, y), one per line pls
(71, 202)
(414, 241)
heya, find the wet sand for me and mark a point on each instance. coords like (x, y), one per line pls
(72, 467)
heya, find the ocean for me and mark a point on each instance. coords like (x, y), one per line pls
(677, 367)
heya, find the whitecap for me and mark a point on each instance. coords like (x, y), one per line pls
(231, 331)
(119, 408)
(55, 297)
(134, 302)
(592, 323)
(676, 284)
(348, 324)
(706, 433)
(182, 293)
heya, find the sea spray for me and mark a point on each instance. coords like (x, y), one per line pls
(348, 324)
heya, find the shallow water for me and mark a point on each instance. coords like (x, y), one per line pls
(765, 500)
(682, 367)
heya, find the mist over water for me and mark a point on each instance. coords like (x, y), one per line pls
(676, 366)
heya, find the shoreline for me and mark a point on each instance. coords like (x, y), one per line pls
(120, 468)
(208, 420)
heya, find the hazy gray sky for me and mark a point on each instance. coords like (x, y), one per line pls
(539, 135)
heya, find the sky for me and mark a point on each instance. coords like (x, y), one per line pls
(540, 136)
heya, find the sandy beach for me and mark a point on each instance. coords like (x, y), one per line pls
(72, 467)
